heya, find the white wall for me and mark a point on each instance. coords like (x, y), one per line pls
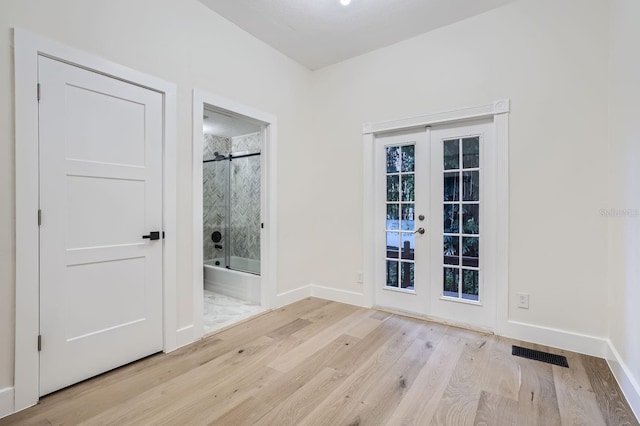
(624, 188)
(547, 56)
(183, 42)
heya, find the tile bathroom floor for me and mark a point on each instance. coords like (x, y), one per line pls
(221, 311)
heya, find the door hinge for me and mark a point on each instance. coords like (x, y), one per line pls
(38, 91)
(262, 225)
(39, 217)
(39, 342)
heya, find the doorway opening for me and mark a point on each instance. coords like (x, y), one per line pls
(432, 221)
(234, 213)
(436, 216)
(231, 220)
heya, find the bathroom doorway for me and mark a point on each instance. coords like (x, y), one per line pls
(231, 218)
(233, 270)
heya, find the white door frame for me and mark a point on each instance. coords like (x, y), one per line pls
(268, 210)
(499, 112)
(27, 47)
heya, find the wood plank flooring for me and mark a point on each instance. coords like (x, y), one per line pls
(317, 362)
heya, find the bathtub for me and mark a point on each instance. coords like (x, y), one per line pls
(241, 285)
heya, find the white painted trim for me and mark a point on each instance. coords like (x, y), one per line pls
(27, 47)
(435, 319)
(338, 295)
(368, 221)
(501, 262)
(463, 114)
(498, 111)
(575, 342)
(293, 296)
(6, 401)
(170, 220)
(628, 384)
(185, 335)
(197, 221)
(26, 379)
(268, 241)
(556, 338)
(245, 135)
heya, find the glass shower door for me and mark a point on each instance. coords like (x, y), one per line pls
(215, 211)
(244, 212)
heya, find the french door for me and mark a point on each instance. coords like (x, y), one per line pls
(434, 233)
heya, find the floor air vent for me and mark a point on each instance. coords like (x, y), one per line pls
(540, 356)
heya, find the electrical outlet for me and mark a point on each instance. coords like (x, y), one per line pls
(359, 277)
(523, 300)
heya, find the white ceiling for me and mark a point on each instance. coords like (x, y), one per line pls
(317, 33)
(219, 123)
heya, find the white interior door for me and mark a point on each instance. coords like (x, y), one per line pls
(100, 192)
(434, 225)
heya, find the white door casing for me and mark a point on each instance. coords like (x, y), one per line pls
(425, 294)
(100, 191)
(27, 48)
(268, 207)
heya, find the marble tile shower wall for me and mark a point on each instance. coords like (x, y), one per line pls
(214, 196)
(245, 197)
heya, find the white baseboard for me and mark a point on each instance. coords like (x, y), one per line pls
(561, 339)
(292, 296)
(576, 342)
(6, 402)
(431, 318)
(337, 295)
(626, 381)
(328, 293)
(185, 335)
(556, 338)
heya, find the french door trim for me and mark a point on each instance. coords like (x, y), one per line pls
(27, 47)
(268, 197)
(498, 111)
(464, 114)
(456, 300)
(400, 290)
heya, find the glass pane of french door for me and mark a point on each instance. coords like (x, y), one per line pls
(460, 170)
(402, 188)
(461, 221)
(400, 207)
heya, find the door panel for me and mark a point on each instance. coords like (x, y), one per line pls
(89, 209)
(433, 230)
(121, 122)
(461, 167)
(100, 192)
(401, 198)
(118, 285)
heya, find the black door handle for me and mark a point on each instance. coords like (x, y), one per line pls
(155, 235)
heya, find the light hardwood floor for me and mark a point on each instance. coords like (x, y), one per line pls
(317, 362)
